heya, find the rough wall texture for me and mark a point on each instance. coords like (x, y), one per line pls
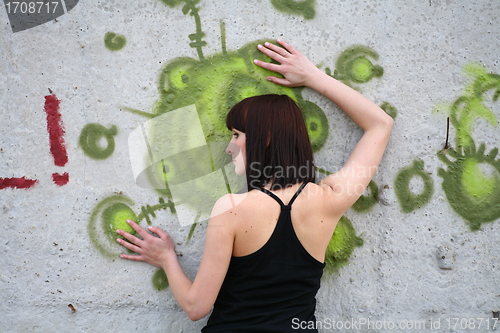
(419, 252)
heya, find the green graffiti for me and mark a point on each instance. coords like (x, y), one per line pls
(231, 77)
(172, 3)
(191, 9)
(304, 7)
(160, 280)
(472, 184)
(90, 138)
(103, 218)
(389, 109)
(316, 123)
(114, 42)
(114, 217)
(150, 210)
(342, 244)
(214, 84)
(410, 201)
(353, 65)
(472, 180)
(470, 107)
(366, 202)
(112, 213)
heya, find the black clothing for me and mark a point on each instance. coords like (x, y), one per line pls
(272, 288)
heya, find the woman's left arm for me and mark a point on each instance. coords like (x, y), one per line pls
(196, 297)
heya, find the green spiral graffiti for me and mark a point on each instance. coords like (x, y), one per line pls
(91, 136)
(114, 42)
(410, 201)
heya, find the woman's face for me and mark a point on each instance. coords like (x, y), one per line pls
(236, 148)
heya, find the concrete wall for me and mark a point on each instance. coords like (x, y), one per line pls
(422, 245)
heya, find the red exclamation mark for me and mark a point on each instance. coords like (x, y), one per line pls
(56, 137)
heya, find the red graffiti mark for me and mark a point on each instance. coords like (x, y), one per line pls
(56, 137)
(60, 179)
(55, 129)
(16, 183)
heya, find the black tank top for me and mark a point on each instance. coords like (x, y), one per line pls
(272, 289)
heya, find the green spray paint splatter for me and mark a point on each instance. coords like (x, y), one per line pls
(214, 86)
(160, 280)
(90, 138)
(114, 42)
(115, 217)
(472, 180)
(472, 184)
(104, 217)
(408, 200)
(304, 7)
(366, 202)
(172, 3)
(342, 244)
(111, 213)
(353, 65)
(191, 9)
(470, 107)
(389, 109)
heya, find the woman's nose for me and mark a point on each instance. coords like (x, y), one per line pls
(229, 149)
(232, 148)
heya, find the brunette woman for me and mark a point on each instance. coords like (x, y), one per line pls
(265, 249)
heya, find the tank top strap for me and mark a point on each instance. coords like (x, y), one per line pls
(297, 194)
(272, 195)
(275, 197)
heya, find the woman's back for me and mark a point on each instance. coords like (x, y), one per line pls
(255, 217)
(270, 288)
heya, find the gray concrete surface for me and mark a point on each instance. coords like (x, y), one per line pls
(430, 240)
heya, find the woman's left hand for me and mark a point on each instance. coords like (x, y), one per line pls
(152, 249)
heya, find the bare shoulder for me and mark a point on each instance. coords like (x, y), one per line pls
(321, 196)
(226, 205)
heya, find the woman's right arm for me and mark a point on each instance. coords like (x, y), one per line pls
(196, 297)
(348, 184)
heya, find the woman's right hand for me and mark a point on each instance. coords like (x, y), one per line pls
(296, 69)
(149, 248)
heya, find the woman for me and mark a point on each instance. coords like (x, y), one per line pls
(262, 260)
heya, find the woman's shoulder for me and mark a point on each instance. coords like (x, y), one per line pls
(319, 197)
(233, 202)
(313, 194)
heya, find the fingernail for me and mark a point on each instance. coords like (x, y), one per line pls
(259, 46)
(266, 44)
(150, 227)
(118, 231)
(278, 40)
(255, 61)
(118, 240)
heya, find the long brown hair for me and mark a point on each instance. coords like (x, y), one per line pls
(278, 150)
